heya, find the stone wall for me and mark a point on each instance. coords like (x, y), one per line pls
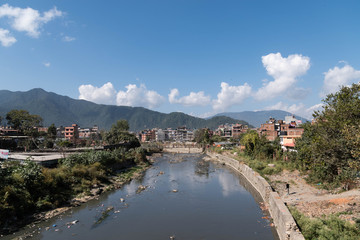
(284, 222)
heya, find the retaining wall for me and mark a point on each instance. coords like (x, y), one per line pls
(284, 222)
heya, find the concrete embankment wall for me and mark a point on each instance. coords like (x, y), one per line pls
(284, 222)
(182, 150)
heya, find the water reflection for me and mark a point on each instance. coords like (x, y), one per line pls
(210, 203)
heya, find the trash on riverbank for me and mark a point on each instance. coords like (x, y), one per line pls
(72, 223)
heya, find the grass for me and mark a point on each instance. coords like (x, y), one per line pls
(331, 227)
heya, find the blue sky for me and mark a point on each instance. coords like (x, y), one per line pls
(198, 57)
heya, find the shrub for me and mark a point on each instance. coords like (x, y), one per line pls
(331, 227)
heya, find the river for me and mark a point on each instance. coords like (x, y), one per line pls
(185, 198)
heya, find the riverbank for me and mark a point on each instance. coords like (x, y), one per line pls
(318, 212)
(314, 201)
(115, 182)
(184, 197)
(284, 222)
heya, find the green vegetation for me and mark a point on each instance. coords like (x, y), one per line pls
(330, 148)
(63, 111)
(28, 188)
(202, 136)
(331, 227)
(23, 121)
(119, 134)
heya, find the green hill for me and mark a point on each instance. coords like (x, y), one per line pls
(64, 111)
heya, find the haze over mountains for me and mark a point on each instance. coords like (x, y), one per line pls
(64, 111)
(256, 118)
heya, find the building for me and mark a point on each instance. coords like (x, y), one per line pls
(148, 135)
(231, 130)
(72, 133)
(238, 129)
(287, 132)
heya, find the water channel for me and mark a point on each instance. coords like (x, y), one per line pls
(186, 198)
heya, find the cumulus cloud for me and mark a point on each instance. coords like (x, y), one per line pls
(103, 95)
(337, 77)
(27, 19)
(5, 38)
(47, 64)
(230, 95)
(68, 39)
(194, 99)
(139, 97)
(298, 109)
(285, 72)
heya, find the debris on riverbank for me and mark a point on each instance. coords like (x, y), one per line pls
(115, 182)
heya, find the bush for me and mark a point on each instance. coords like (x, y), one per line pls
(331, 227)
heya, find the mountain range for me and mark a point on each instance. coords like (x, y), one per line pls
(64, 111)
(256, 118)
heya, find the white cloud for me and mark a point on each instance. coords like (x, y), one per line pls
(139, 97)
(27, 19)
(298, 93)
(194, 99)
(103, 95)
(297, 109)
(47, 64)
(230, 95)
(68, 39)
(5, 38)
(285, 72)
(337, 77)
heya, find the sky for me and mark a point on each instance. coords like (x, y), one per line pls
(200, 57)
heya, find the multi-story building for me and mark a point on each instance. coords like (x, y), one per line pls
(72, 133)
(238, 129)
(148, 135)
(231, 130)
(287, 132)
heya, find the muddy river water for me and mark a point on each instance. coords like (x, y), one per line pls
(185, 198)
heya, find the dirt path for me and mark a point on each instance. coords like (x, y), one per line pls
(316, 202)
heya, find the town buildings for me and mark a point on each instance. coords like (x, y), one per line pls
(231, 130)
(181, 134)
(288, 131)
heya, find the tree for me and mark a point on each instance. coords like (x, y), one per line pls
(250, 141)
(23, 121)
(330, 147)
(119, 134)
(202, 136)
(52, 131)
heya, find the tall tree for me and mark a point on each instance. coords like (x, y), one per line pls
(52, 131)
(23, 121)
(250, 140)
(119, 134)
(330, 146)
